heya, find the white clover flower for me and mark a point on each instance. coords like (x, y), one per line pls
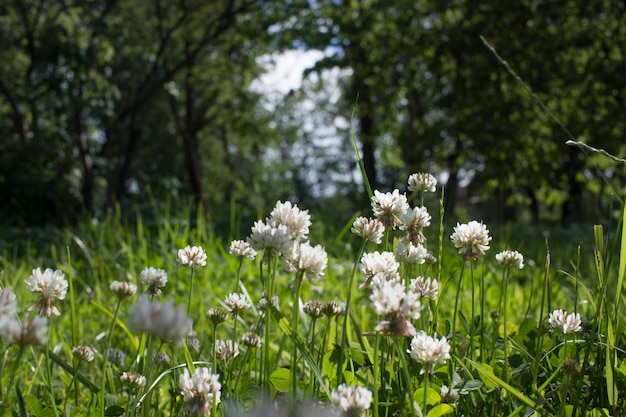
(50, 284)
(567, 323)
(133, 380)
(217, 315)
(351, 401)
(369, 229)
(298, 221)
(242, 249)
(429, 351)
(116, 356)
(379, 267)
(163, 320)
(191, 256)
(154, 278)
(333, 308)
(83, 353)
(8, 303)
(237, 302)
(422, 182)
(389, 207)
(313, 308)
(425, 287)
(123, 289)
(472, 239)
(410, 253)
(510, 259)
(226, 349)
(262, 304)
(396, 305)
(201, 391)
(448, 396)
(271, 236)
(251, 340)
(30, 332)
(413, 221)
(310, 260)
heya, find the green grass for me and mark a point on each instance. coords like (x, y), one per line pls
(547, 373)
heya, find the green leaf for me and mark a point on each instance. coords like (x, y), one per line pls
(432, 397)
(440, 410)
(490, 379)
(281, 379)
(114, 411)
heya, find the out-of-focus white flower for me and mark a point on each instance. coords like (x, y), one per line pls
(413, 221)
(379, 267)
(351, 401)
(448, 396)
(510, 259)
(50, 284)
(410, 253)
(422, 182)
(270, 236)
(191, 256)
(313, 308)
(32, 331)
(425, 287)
(226, 349)
(116, 356)
(217, 315)
(298, 221)
(83, 353)
(309, 260)
(369, 229)
(567, 323)
(201, 391)
(472, 239)
(154, 278)
(133, 380)
(333, 308)
(389, 208)
(8, 303)
(163, 320)
(262, 304)
(243, 249)
(429, 351)
(123, 289)
(396, 305)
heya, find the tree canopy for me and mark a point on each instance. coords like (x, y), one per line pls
(106, 102)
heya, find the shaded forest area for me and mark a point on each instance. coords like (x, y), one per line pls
(107, 102)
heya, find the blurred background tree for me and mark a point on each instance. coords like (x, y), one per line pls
(106, 102)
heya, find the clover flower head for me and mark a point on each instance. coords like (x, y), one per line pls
(116, 356)
(422, 182)
(351, 401)
(313, 308)
(262, 304)
(251, 340)
(8, 303)
(242, 249)
(397, 306)
(425, 287)
(333, 308)
(413, 222)
(133, 380)
(410, 253)
(472, 239)
(448, 396)
(429, 351)
(379, 266)
(237, 302)
(123, 289)
(32, 331)
(389, 208)
(226, 349)
(217, 315)
(191, 256)
(163, 320)
(510, 259)
(298, 221)
(567, 323)
(270, 235)
(50, 284)
(83, 353)
(154, 278)
(369, 229)
(201, 391)
(309, 260)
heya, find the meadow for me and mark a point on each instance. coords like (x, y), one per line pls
(405, 311)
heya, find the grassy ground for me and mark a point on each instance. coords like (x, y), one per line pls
(525, 367)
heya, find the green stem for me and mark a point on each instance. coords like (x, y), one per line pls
(69, 388)
(190, 293)
(408, 397)
(376, 374)
(105, 356)
(426, 380)
(505, 331)
(471, 321)
(20, 354)
(294, 347)
(459, 289)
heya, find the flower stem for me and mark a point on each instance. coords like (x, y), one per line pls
(294, 348)
(105, 356)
